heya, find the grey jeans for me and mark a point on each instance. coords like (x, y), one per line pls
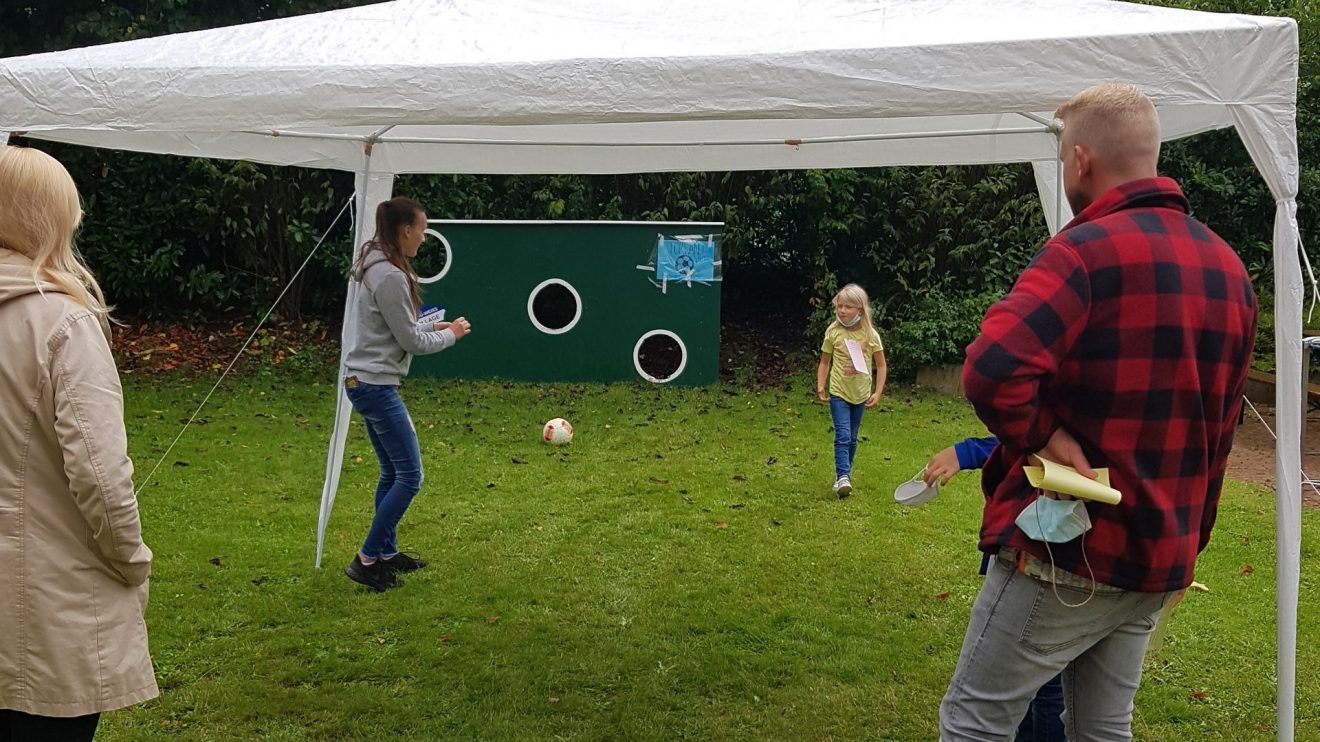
(1020, 635)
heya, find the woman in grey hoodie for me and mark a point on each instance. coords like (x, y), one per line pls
(386, 334)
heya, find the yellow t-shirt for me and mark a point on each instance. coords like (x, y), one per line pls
(856, 388)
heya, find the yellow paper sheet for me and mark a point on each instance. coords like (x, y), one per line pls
(1156, 641)
(1057, 477)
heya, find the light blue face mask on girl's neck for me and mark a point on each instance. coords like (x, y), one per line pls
(856, 319)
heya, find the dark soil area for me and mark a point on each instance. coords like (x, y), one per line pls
(1252, 459)
(207, 349)
(763, 334)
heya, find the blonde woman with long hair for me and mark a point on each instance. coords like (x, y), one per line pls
(851, 376)
(76, 569)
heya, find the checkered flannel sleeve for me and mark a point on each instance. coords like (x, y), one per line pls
(1024, 339)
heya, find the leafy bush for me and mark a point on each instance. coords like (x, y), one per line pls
(190, 238)
(937, 333)
(1264, 353)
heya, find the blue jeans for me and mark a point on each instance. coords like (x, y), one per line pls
(1044, 719)
(847, 419)
(1020, 635)
(1043, 722)
(392, 435)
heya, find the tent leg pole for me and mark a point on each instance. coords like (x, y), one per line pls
(370, 189)
(1049, 186)
(1288, 295)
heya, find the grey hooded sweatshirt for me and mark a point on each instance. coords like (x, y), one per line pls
(387, 331)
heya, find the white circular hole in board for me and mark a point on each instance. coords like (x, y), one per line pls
(449, 257)
(577, 306)
(637, 356)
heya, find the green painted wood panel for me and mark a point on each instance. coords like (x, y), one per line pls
(495, 266)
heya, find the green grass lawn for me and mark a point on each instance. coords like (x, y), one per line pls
(681, 571)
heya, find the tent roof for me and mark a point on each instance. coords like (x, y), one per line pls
(602, 86)
(474, 86)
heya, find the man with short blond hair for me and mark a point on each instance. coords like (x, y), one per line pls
(1118, 126)
(1124, 344)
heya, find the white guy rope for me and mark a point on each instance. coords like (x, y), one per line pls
(1305, 479)
(239, 354)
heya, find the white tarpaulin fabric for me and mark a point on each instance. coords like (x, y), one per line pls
(1049, 183)
(533, 86)
(601, 86)
(1271, 139)
(372, 189)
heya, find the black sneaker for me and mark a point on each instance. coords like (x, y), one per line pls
(377, 575)
(403, 562)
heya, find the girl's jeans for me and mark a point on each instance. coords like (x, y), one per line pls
(847, 419)
(395, 440)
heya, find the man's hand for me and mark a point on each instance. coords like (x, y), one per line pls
(942, 467)
(1062, 448)
(873, 400)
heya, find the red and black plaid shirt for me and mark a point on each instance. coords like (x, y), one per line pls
(1132, 329)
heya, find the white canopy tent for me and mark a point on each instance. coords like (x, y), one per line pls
(598, 86)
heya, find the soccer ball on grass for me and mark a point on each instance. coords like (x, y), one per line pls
(557, 432)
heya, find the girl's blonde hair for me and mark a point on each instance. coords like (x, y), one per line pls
(853, 295)
(39, 214)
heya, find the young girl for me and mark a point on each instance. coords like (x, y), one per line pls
(839, 381)
(377, 357)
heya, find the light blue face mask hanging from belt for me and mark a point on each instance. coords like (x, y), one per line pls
(1052, 521)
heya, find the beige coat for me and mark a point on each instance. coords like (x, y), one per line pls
(73, 568)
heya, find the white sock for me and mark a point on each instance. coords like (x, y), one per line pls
(366, 560)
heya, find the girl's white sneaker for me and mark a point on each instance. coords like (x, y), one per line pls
(843, 486)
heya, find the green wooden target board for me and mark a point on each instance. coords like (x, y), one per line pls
(566, 301)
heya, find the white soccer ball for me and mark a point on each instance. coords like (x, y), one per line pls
(557, 432)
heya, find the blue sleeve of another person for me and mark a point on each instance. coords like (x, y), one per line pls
(973, 452)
